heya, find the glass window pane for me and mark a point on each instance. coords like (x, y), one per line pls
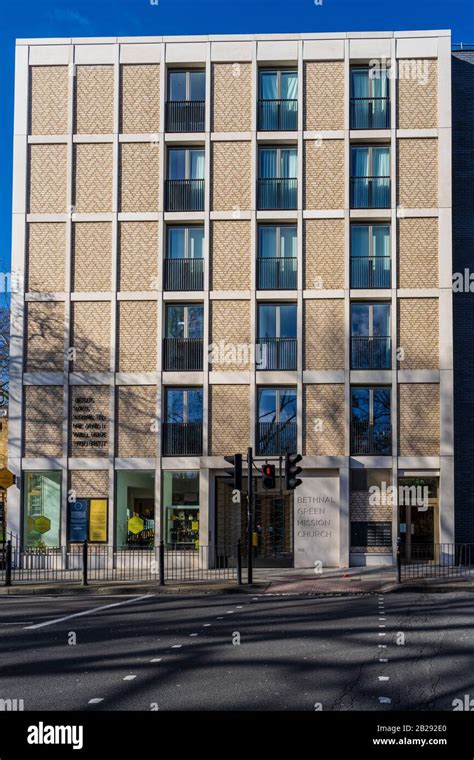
(268, 242)
(359, 240)
(42, 509)
(181, 508)
(267, 163)
(195, 321)
(175, 405)
(381, 162)
(360, 162)
(287, 405)
(196, 240)
(381, 319)
(288, 320)
(195, 405)
(197, 85)
(267, 405)
(360, 404)
(177, 85)
(359, 83)
(268, 85)
(175, 321)
(135, 497)
(177, 164)
(289, 85)
(288, 163)
(381, 401)
(360, 319)
(381, 240)
(197, 164)
(267, 320)
(176, 238)
(288, 242)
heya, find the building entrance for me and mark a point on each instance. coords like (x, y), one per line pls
(418, 525)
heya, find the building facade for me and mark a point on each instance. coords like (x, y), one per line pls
(226, 242)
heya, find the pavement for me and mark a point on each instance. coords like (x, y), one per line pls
(345, 581)
(263, 651)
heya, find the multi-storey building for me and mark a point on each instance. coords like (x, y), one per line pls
(229, 242)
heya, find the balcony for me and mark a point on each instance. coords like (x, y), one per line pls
(370, 272)
(370, 352)
(184, 274)
(277, 353)
(368, 438)
(182, 354)
(182, 439)
(370, 192)
(185, 195)
(277, 194)
(277, 115)
(275, 438)
(370, 113)
(277, 273)
(185, 116)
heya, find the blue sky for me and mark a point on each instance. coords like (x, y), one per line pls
(88, 18)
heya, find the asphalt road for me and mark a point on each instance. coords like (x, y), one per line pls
(400, 651)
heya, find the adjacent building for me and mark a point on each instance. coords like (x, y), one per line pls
(224, 242)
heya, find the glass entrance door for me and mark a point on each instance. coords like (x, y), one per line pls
(418, 518)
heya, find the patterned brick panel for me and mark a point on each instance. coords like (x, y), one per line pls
(231, 172)
(324, 174)
(419, 419)
(89, 421)
(45, 337)
(139, 98)
(94, 100)
(137, 336)
(43, 421)
(229, 419)
(90, 336)
(93, 178)
(136, 413)
(324, 420)
(324, 334)
(418, 332)
(138, 256)
(418, 173)
(46, 254)
(47, 179)
(230, 268)
(92, 257)
(418, 253)
(49, 88)
(230, 331)
(324, 95)
(361, 510)
(89, 484)
(232, 97)
(417, 94)
(139, 176)
(324, 254)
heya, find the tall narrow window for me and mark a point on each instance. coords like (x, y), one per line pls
(370, 104)
(185, 183)
(185, 107)
(278, 100)
(277, 184)
(370, 176)
(370, 256)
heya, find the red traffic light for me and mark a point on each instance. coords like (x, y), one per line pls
(269, 478)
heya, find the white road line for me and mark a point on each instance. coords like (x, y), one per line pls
(194, 634)
(384, 678)
(382, 618)
(382, 646)
(381, 625)
(88, 612)
(382, 634)
(129, 678)
(207, 625)
(176, 646)
(383, 659)
(385, 700)
(157, 659)
(95, 701)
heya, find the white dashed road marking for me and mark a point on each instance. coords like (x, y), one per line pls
(96, 700)
(129, 678)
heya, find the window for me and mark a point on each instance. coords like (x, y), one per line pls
(371, 421)
(135, 504)
(181, 509)
(363, 479)
(42, 509)
(185, 183)
(277, 257)
(277, 185)
(184, 265)
(370, 176)
(185, 108)
(184, 405)
(277, 336)
(370, 105)
(184, 320)
(278, 100)
(186, 86)
(370, 256)
(183, 346)
(185, 242)
(276, 432)
(185, 164)
(370, 336)
(371, 534)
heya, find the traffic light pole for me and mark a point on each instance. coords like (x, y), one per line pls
(250, 509)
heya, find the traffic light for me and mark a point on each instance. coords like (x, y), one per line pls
(269, 480)
(235, 472)
(292, 471)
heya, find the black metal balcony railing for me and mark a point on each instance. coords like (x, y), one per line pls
(367, 438)
(370, 113)
(370, 272)
(277, 273)
(277, 115)
(275, 438)
(370, 192)
(185, 195)
(274, 194)
(182, 354)
(370, 352)
(184, 274)
(276, 353)
(182, 439)
(185, 116)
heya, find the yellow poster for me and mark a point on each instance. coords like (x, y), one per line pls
(195, 525)
(98, 520)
